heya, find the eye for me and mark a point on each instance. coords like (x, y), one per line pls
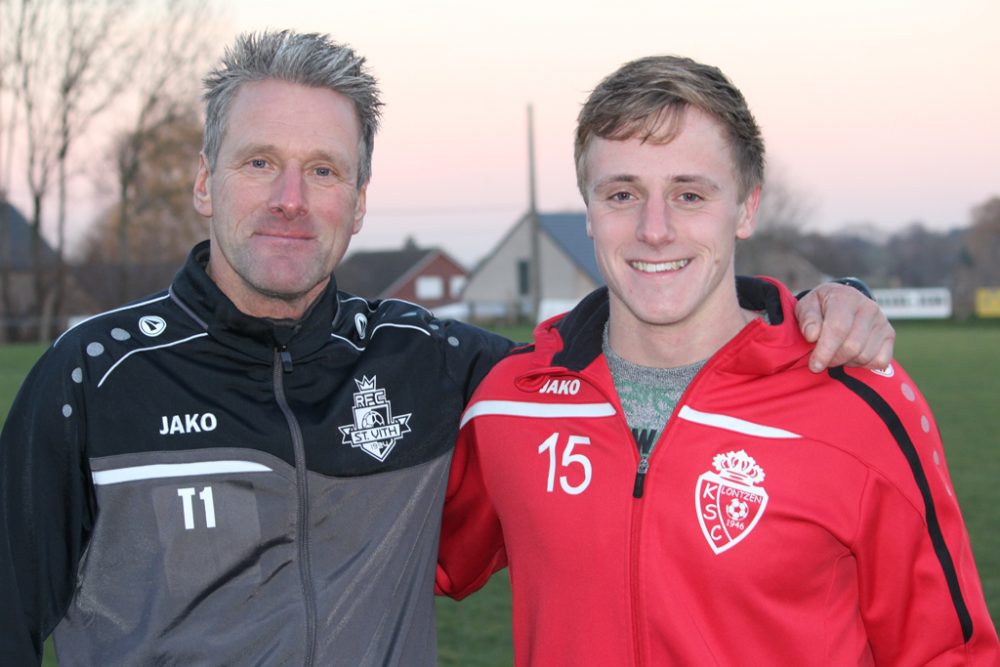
(690, 198)
(324, 171)
(622, 196)
(258, 163)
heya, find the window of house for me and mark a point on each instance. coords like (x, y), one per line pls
(523, 277)
(455, 286)
(430, 287)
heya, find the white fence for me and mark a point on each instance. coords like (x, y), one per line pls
(924, 303)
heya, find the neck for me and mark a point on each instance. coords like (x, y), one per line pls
(250, 301)
(676, 344)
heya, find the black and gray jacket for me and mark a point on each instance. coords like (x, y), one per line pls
(186, 485)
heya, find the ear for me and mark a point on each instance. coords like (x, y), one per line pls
(748, 215)
(360, 208)
(203, 188)
(590, 230)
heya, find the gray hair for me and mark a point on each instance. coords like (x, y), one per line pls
(646, 98)
(309, 59)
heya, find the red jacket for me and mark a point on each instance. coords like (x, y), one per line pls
(786, 518)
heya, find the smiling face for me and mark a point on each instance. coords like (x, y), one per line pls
(665, 218)
(283, 198)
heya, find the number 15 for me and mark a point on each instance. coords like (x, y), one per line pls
(568, 459)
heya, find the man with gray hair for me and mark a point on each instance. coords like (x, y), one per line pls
(823, 528)
(249, 467)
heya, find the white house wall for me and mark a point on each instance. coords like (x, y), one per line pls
(492, 289)
(561, 278)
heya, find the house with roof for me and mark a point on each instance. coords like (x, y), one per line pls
(500, 285)
(426, 276)
(17, 272)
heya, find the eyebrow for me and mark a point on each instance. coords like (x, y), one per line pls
(316, 154)
(695, 179)
(615, 178)
(704, 181)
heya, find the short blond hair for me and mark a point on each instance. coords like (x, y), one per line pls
(646, 98)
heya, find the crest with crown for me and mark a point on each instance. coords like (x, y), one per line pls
(365, 383)
(739, 467)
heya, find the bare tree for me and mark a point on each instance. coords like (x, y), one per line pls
(979, 262)
(8, 122)
(28, 68)
(179, 44)
(916, 256)
(784, 210)
(162, 223)
(69, 63)
(93, 76)
(8, 98)
(773, 250)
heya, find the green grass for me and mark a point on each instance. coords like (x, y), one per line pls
(476, 631)
(957, 366)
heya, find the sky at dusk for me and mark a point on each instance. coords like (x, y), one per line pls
(874, 111)
(879, 111)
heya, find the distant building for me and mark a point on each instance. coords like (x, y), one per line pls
(500, 285)
(17, 282)
(923, 303)
(767, 257)
(426, 276)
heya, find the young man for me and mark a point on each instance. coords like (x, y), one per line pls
(666, 479)
(248, 468)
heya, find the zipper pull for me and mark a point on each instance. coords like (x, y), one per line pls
(286, 359)
(640, 476)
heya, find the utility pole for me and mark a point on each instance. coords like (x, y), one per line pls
(535, 269)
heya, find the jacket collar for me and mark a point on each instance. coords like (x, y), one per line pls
(575, 338)
(195, 292)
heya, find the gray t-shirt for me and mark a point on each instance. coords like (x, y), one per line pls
(648, 395)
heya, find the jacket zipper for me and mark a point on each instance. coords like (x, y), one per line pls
(283, 364)
(636, 589)
(645, 451)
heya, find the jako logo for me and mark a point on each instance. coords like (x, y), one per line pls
(184, 424)
(152, 326)
(563, 387)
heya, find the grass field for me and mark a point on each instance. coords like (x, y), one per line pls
(956, 366)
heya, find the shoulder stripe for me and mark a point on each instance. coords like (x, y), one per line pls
(393, 325)
(108, 312)
(147, 349)
(889, 417)
(410, 303)
(532, 409)
(371, 335)
(734, 424)
(167, 470)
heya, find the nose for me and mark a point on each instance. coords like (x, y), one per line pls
(655, 223)
(288, 194)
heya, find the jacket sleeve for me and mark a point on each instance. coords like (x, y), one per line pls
(472, 546)
(475, 352)
(921, 598)
(46, 506)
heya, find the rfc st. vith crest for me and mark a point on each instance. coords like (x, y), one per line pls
(730, 501)
(375, 430)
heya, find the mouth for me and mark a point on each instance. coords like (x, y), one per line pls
(659, 267)
(283, 235)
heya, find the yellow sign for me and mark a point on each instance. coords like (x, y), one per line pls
(988, 302)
